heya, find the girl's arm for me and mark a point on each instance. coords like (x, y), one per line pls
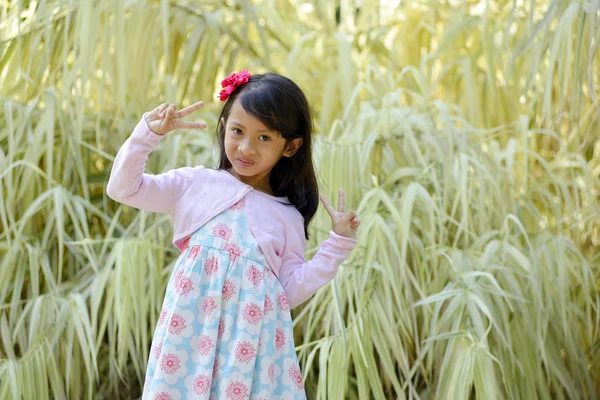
(128, 184)
(301, 279)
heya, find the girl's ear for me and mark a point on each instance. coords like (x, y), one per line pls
(292, 147)
(223, 121)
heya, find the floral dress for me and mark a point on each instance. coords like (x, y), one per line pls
(225, 329)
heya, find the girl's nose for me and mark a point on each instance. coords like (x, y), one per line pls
(247, 148)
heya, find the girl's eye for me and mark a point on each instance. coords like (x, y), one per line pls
(264, 138)
(237, 131)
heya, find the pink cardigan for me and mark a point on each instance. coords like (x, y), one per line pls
(193, 196)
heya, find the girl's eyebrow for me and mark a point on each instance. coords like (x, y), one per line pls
(262, 130)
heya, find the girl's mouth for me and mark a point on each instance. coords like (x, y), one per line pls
(244, 163)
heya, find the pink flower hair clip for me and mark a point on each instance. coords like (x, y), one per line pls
(232, 82)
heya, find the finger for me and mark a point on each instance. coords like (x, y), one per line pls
(190, 109)
(190, 125)
(168, 119)
(155, 113)
(171, 114)
(161, 107)
(167, 108)
(350, 215)
(328, 206)
(341, 201)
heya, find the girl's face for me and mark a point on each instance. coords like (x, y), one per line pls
(253, 149)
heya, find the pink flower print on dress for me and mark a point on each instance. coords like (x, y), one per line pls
(209, 306)
(202, 384)
(254, 275)
(205, 345)
(211, 266)
(244, 352)
(157, 350)
(268, 304)
(170, 363)
(228, 290)
(236, 390)
(239, 206)
(252, 313)
(162, 396)
(163, 317)
(177, 324)
(194, 251)
(222, 230)
(272, 371)
(183, 284)
(296, 376)
(233, 249)
(282, 302)
(279, 339)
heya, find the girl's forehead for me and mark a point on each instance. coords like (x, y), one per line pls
(239, 116)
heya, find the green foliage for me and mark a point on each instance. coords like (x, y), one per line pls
(465, 134)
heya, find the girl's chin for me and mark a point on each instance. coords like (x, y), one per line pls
(242, 171)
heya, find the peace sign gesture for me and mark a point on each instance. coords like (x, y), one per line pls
(165, 118)
(344, 223)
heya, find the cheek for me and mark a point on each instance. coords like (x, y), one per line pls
(229, 142)
(229, 148)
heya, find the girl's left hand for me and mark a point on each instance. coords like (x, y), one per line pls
(344, 223)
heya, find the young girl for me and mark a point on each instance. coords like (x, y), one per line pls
(225, 330)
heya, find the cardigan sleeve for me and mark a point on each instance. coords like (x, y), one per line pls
(301, 279)
(130, 185)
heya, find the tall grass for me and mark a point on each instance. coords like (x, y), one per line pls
(465, 133)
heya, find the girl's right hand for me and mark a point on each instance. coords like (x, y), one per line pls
(165, 118)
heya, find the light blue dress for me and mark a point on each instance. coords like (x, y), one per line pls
(225, 329)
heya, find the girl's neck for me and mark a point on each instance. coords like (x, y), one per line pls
(258, 183)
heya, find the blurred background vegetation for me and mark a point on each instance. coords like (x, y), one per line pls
(466, 133)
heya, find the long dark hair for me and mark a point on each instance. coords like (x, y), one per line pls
(280, 105)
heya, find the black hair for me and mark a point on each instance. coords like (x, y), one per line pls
(281, 106)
